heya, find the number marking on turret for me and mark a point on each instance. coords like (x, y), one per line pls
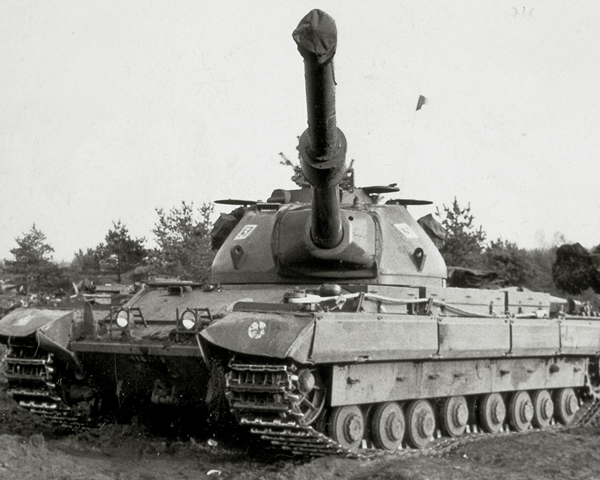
(245, 232)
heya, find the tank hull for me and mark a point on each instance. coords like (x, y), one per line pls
(367, 361)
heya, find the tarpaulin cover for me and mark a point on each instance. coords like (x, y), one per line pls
(224, 226)
(433, 229)
(470, 278)
(575, 270)
(316, 34)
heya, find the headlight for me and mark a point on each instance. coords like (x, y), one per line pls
(122, 319)
(188, 320)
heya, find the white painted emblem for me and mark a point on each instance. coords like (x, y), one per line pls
(406, 230)
(245, 232)
(257, 330)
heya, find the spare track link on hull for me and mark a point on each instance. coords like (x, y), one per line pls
(264, 399)
(32, 384)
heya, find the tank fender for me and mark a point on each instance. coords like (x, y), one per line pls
(275, 335)
(53, 330)
(25, 321)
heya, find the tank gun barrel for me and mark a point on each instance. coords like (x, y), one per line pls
(322, 145)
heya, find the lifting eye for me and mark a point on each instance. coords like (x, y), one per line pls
(418, 257)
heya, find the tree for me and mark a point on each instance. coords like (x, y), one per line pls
(464, 243)
(509, 261)
(184, 242)
(121, 253)
(87, 263)
(32, 262)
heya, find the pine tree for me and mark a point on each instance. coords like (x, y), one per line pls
(121, 253)
(32, 262)
(509, 261)
(464, 242)
(184, 242)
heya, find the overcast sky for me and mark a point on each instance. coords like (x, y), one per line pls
(110, 109)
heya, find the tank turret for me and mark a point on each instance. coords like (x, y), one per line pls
(322, 231)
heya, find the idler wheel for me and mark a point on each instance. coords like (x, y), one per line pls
(347, 426)
(492, 412)
(388, 425)
(543, 408)
(312, 399)
(420, 423)
(566, 405)
(455, 416)
(520, 411)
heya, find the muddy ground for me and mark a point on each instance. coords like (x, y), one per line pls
(31, 449)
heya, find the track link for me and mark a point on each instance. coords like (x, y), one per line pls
(266, 399)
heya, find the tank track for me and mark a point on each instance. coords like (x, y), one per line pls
(261, 395)
(33, 383)
(265, 399)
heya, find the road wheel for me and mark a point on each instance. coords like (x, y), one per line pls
(455, 416)
(420, 423)
(388, 425)
(347, 426)
(543, 408)
(520, 412)
(566, 405)
(492, 412)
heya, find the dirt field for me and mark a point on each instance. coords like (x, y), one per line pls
(30, 449)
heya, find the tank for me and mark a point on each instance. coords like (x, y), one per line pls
(369, 347)
(327, 326)
(81, 364)
(78, 365)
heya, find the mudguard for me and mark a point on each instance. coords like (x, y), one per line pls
(53, 329)
(276, 335)
(25, 321)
